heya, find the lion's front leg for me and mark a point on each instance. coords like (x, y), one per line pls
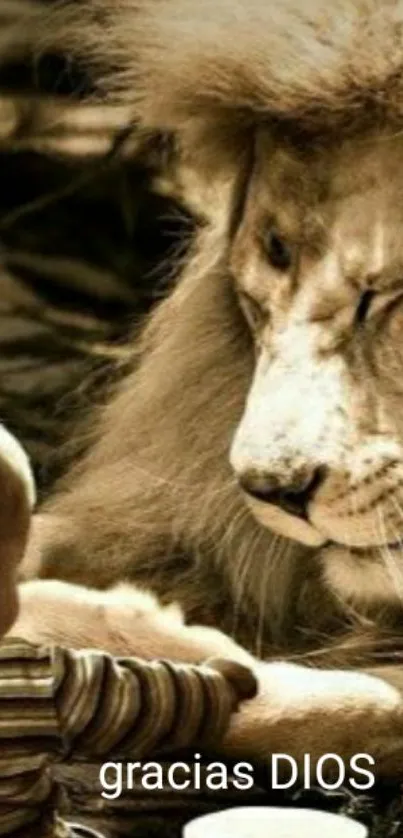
(300, 711)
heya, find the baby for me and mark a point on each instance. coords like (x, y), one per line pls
(56, 701)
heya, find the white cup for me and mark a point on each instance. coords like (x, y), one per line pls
(273, 822)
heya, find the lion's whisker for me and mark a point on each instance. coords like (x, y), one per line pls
(246, 563)
(392, 568)
(270, 566)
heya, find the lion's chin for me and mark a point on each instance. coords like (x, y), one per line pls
(362, 576)
(282, 523)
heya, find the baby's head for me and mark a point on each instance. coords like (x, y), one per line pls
(17, 497)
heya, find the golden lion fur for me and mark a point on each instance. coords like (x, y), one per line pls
(155, 502)
(156, 486)
(298, 61)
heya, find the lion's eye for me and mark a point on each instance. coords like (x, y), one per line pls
(364, 307)
(278, 250)
(252, 311)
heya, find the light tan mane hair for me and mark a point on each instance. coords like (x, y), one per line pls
(179, 63)
(155, 501)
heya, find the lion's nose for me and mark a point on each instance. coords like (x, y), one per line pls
(293, 496)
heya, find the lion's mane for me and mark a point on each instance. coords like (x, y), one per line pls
(155, 500)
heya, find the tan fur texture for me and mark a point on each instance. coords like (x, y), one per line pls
(288, 121)
(290, 60)
(123, 619)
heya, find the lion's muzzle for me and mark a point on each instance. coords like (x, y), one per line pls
(307, 469)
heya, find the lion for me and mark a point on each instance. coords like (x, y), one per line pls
(250, 467)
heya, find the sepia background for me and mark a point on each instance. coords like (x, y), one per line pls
(92, 223)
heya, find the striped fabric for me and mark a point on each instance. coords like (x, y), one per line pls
(86, 222)
(56, 703)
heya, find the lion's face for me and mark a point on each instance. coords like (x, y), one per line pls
(318, 265)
